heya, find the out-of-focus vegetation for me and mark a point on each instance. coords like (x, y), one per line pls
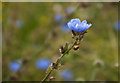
(30, 32)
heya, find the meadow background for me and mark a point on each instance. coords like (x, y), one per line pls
(32, 31)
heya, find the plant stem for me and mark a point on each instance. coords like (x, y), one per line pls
(46, 77)
(62, 55)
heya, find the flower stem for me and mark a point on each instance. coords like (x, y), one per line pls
(46, 77)
(62, 55)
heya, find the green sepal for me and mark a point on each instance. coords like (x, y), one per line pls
(66, 46)
(60, 67)
(49, 69)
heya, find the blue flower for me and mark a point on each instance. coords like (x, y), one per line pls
(78, 26)
(65, 28)
(19, 23)
(14, 66)
(66, 74)
(69, 10)
(58, 17)
(117, 25)
(42, 63)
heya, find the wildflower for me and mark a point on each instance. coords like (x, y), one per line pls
(78, 26)
(19, 23)
(66, 74)
(65, 28)
(117, 25)
(58, 17)
(42, 63)
(70, 9)
(14, 66)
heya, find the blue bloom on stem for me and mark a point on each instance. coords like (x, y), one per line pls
(117, 25)
(42, 63)
(14, 66)
(66, 74)
(58, 17)
(69, 10)
(78, 26)
(65, 28)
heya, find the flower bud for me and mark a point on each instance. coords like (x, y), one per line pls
(69, 46)
(76, 47)
(62, 50)
(51, 78)
(80, 37)
(54, 65)
(73, 34)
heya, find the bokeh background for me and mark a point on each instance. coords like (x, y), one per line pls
(33, 33)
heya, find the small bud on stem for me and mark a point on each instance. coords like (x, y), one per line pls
(76, 47)
(73, 34)
(51, 78)
(61, 50)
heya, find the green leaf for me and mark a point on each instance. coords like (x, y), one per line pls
(49, 68)
(66, 45)
(60, 67)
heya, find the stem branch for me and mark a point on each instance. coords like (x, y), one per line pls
(62, 55)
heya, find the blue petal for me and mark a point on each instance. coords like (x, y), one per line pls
(117, 25)
(66, 74)
(58, 17)
(65, 28)
(70, 25)
(14, 66)
(89, 25)
(84, 21)
(81, 28)
(69, 10)
(76, 25)
(42, 63)
(75, 20)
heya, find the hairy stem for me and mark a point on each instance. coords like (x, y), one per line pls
(46, 77)
(62, 55)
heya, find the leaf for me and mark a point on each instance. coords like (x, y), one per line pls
(49, 68)
(59, 64)
(58, 60)
(60, 67)
(66, 45)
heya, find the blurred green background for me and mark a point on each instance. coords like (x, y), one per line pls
(30, 32)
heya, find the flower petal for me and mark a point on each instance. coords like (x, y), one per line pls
(77, 26)
(84, 21)
(76, 20)
(89, 25)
